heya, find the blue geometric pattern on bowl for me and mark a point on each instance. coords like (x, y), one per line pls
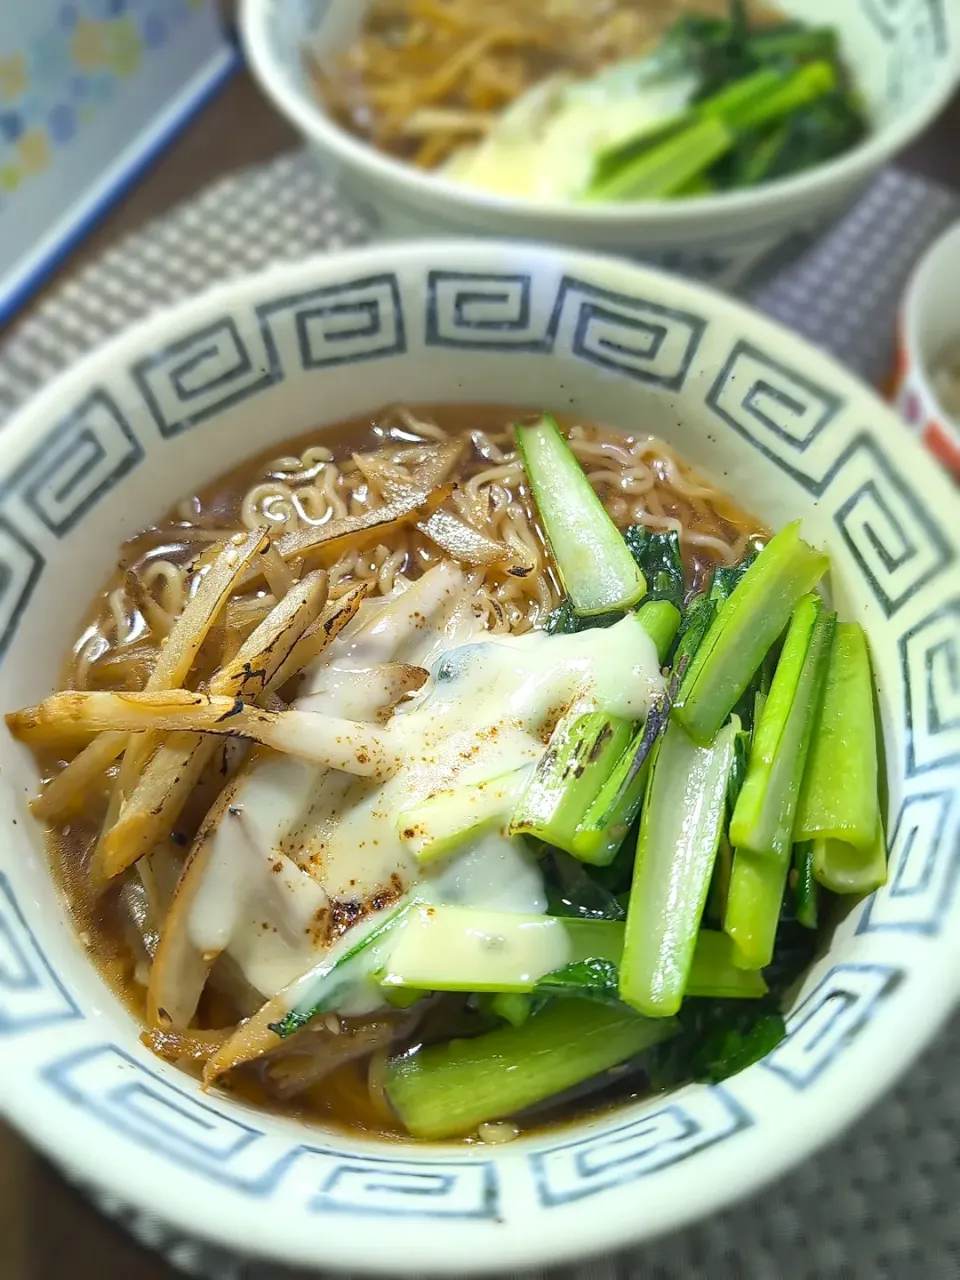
(924, 863)
(669, 1131)
(829, 1018)
(212, 369)
(897, 554)
(135, 1101)
(31, 994)
(629, 335)
(884, 521)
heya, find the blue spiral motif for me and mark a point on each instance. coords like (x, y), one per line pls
(896, 542)
(930, 661)
(624, 334)
(668, 1131)
(924, 865)
(31, 995)
(201, 375)
(891, 17)
(917, 37)
(75, 464)
(781, 412)
(406, 1188)
(483, 309)
(832, 1015)
(140, 1104)
(20, 567)
(507, 311)
(890, 532)
(342, 324)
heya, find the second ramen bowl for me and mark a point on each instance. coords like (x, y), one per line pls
(905, 57)
(190, 392)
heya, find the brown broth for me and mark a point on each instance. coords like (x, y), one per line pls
(118, 948)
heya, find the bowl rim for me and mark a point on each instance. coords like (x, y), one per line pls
(303, 110)
(802, 1128)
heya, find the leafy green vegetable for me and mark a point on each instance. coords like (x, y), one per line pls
(720, 1037)
(842, 868)
(660, 559)
(595, 979)
(744, 630)
(572, 892)
(717, 1039)
(763, 820)
(661, 621)
(778, 95)
(839, 799)
(666, 166)
(804, 885)
(727, 577)
(564, 620)
(683, 818)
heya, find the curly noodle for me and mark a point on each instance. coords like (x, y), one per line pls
(641, 480)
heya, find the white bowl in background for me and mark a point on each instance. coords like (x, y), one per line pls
(905, 56)
(170, 404)
(928, 327)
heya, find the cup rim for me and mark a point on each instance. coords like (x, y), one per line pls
(946, 247)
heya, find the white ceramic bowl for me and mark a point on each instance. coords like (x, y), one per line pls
(906, 58)
(928, 329)
(175, 401)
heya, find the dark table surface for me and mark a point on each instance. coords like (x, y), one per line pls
(47, 1231)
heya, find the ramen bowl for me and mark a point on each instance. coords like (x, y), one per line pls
(168, 406)
(904, 57)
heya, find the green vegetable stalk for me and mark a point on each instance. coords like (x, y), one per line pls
(763, 819)
(757, 886)
(661, 621)
(744, 630)
(449, 1089)
(844, 869)
(495, 954)
(667, 166)
(679, 834)
(598, 572)
(447, 819)
(839, 799)
(611, 814)
(580, 756)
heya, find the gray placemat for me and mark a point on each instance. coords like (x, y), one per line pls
(883, 1200)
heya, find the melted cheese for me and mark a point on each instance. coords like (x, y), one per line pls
(488, 707)
(545, 148)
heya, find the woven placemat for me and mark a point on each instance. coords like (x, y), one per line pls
(883, 1200)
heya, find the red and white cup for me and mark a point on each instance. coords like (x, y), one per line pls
(928, 329)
